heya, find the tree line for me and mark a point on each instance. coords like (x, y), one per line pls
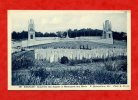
(71, 33)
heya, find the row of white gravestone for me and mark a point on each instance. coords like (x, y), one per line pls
(53, 55)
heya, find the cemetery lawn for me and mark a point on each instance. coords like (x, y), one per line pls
(41, 72)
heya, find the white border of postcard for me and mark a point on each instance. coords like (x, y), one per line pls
(74, 87)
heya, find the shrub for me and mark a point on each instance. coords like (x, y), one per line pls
(117, 65)
(71, 62)
(64, 60)
(123, 66)
(42, 73)
(98, 60)
(23, 62)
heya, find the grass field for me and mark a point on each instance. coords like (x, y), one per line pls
(28, 71)
(77, 44)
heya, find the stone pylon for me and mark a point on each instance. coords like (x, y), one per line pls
(31, 30)
(67, 36)
(107, 30)
(31, 33)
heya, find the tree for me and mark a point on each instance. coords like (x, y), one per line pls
(59, 34)
(72, 34)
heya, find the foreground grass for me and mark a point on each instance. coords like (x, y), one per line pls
(44, 73)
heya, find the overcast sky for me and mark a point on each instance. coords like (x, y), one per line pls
(62, 20)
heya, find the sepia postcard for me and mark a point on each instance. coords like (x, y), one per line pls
(69, 50)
